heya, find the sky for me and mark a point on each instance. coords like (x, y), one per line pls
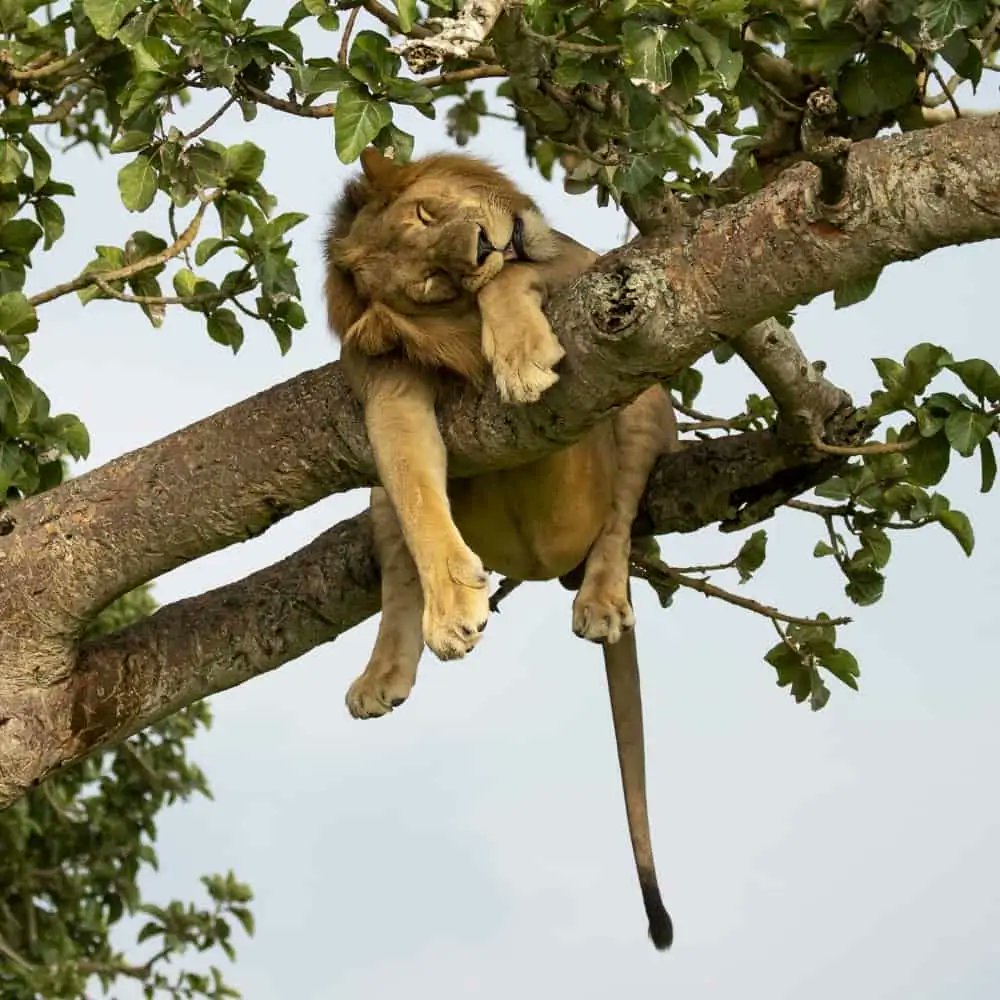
(473, 843)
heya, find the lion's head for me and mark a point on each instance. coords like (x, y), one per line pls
(413, 236)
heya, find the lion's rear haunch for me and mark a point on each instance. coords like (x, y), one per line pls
(661, 928)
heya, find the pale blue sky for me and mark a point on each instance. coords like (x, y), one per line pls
(474, 842)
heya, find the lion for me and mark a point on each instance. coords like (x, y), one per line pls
(437, 274)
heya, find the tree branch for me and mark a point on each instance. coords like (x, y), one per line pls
(644, 313)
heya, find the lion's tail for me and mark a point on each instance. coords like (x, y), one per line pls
(622, 666)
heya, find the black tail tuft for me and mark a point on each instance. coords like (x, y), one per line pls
(661, 928)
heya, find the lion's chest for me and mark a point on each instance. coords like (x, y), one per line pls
(538, 521)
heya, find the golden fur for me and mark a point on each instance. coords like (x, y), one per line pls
(438, 272)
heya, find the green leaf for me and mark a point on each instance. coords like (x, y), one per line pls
(965, 429)
(371, 62)
(243, 162)
(648, 53)
(71, 431)
(20, 236)
(12, 161)
(17, 314)
(941, 17)
(400, 142)
(833, 10)
(850, 292)
(751, 555)
(988, 465)
(224, 328)
(960, 526)
(22, 391)
(107, 15)
(41, 162)
(928, 460)
(823, 549)
(10, 464)
(963, 57)
(407, 13)
(865, 586)
(358, 120)
(137, 183)
(51, 219)
(842, 665)
(884, 79)
(979, 377)
(208, 248)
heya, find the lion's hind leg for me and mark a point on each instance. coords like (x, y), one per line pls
(644, 430)
(392, 668)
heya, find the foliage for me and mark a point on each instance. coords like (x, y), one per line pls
(73, 851)
(624, 97)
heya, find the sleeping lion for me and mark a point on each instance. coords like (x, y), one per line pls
(438, 271)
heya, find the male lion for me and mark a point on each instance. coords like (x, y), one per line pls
(437, 274)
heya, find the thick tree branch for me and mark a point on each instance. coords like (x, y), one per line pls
(225, 637)
(643, 313)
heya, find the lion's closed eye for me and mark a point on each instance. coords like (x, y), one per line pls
(423, 215)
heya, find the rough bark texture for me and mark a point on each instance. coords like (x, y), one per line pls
(642, 314)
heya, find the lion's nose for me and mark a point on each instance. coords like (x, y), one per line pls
(483, 248)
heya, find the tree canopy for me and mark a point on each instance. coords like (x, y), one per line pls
(848, 142)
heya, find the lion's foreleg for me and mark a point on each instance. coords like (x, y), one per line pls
(644, 430)
(412, 467)
(392, 668)
(517, 340)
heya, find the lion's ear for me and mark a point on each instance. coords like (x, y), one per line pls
(382, 172)
(374, 332)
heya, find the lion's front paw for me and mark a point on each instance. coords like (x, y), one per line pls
(380, 689)
(522, 357)
(602, 611)
(456, 611)
(484, 273)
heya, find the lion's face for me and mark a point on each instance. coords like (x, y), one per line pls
(434, 231)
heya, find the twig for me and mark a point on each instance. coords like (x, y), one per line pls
(292, 107)
(89, 278)
(56, 66)
(157, 300)
(656, 571)
(206, 125)
(946, 89)
(875, 448)
(64, 107)
(461, 75)
(558, 42)
(345, 42)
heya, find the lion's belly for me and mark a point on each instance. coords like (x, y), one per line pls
(538, 521)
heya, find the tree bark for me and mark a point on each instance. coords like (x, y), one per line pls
(644, 313)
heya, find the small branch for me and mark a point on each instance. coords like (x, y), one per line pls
(461, 75)
(157, 300)
(557, 42)
(947, 91)
(206, 125)
(63, 109)
(828, 152)
(292, 107)
(175, 249)
(345, 42)
(58, 65)
(657, 572)
(875, 448)
(805, 399)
